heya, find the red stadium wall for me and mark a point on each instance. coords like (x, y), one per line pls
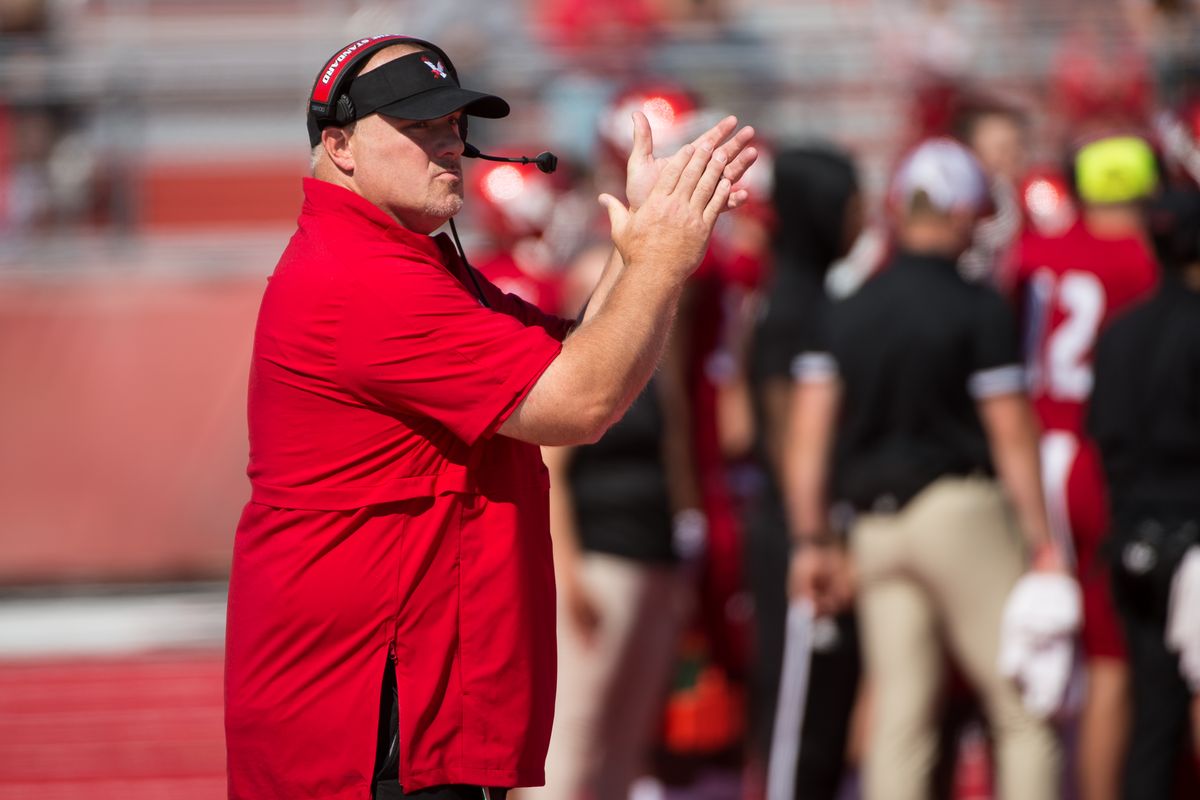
(232, 194)
(122, 423)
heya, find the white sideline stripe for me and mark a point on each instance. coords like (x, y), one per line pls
(31, 628)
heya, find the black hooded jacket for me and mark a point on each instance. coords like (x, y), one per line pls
(811, 193)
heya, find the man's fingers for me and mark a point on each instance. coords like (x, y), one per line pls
(643, 139)
(694, 171)
(736, 198)
(718, 202)
(707, 184)
(738, 141)
(739, 162)
(735, 149)
(668, 176)
(716, 134)
(618, 214)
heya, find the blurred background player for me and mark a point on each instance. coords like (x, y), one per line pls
(623, 581)
(534, 225)
(1145, 417)
(818, 216)
(625, 514)
(998, 136)
(916, 414)
(1070, 287)
(705, 717)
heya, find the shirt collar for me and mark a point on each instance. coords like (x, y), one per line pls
(907, 258)
(322, 197)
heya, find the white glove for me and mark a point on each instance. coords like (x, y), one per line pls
(1183, 617)
(1037, 638)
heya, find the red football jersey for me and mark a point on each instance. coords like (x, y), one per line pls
(1071, 286)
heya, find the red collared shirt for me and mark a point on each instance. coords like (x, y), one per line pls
(387, 516)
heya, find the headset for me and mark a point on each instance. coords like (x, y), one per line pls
(329, 102)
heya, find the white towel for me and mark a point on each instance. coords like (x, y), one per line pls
(1037, 638)
(1183, 617)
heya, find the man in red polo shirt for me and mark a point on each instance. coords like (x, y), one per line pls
(396, 542)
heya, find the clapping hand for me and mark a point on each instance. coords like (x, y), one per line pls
(674, 202)
(643, 168)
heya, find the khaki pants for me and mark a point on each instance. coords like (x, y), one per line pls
(934, 578)
(611, 692)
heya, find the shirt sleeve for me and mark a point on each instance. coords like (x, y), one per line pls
(792, 333)
(995, 358)
(414, 340)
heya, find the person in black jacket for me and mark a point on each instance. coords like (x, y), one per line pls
(1145, 417)
(818, 208)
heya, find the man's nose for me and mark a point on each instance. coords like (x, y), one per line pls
(450, 143)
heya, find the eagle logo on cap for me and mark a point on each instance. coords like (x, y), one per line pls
(438, 69)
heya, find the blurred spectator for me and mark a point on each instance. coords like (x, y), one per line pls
(1071, 286)
(28, 204)
(623, 23)
(1179, 131)
(932, 45)
(624, 590)
(920, 405)
(1100, 85)
(580, 24)
(1145, 417)
(1169, 31)
(23, 16)
(998, 135)
(713, 660)
(818, 213)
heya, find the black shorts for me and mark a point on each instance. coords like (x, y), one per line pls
(390, 790)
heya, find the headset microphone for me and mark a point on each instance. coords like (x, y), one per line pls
(546, 162)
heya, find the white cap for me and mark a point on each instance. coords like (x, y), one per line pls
(946, 172)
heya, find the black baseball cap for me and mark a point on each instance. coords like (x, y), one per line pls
(416, 86)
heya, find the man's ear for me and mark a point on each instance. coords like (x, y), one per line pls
(339, 147)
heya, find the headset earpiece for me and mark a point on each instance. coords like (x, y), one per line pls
(345, 110)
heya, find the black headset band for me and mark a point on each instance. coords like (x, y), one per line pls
(329, 103)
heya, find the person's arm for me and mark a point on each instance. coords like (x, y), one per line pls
(690, 526)
(609, 358)
(806, 457)
(819, 569)
(997, 385)
(776, 400)
(581, 612)
(1013, 440)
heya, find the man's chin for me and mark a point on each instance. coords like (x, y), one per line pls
(451, 206)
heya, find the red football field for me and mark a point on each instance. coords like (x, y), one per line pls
(139, 727)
